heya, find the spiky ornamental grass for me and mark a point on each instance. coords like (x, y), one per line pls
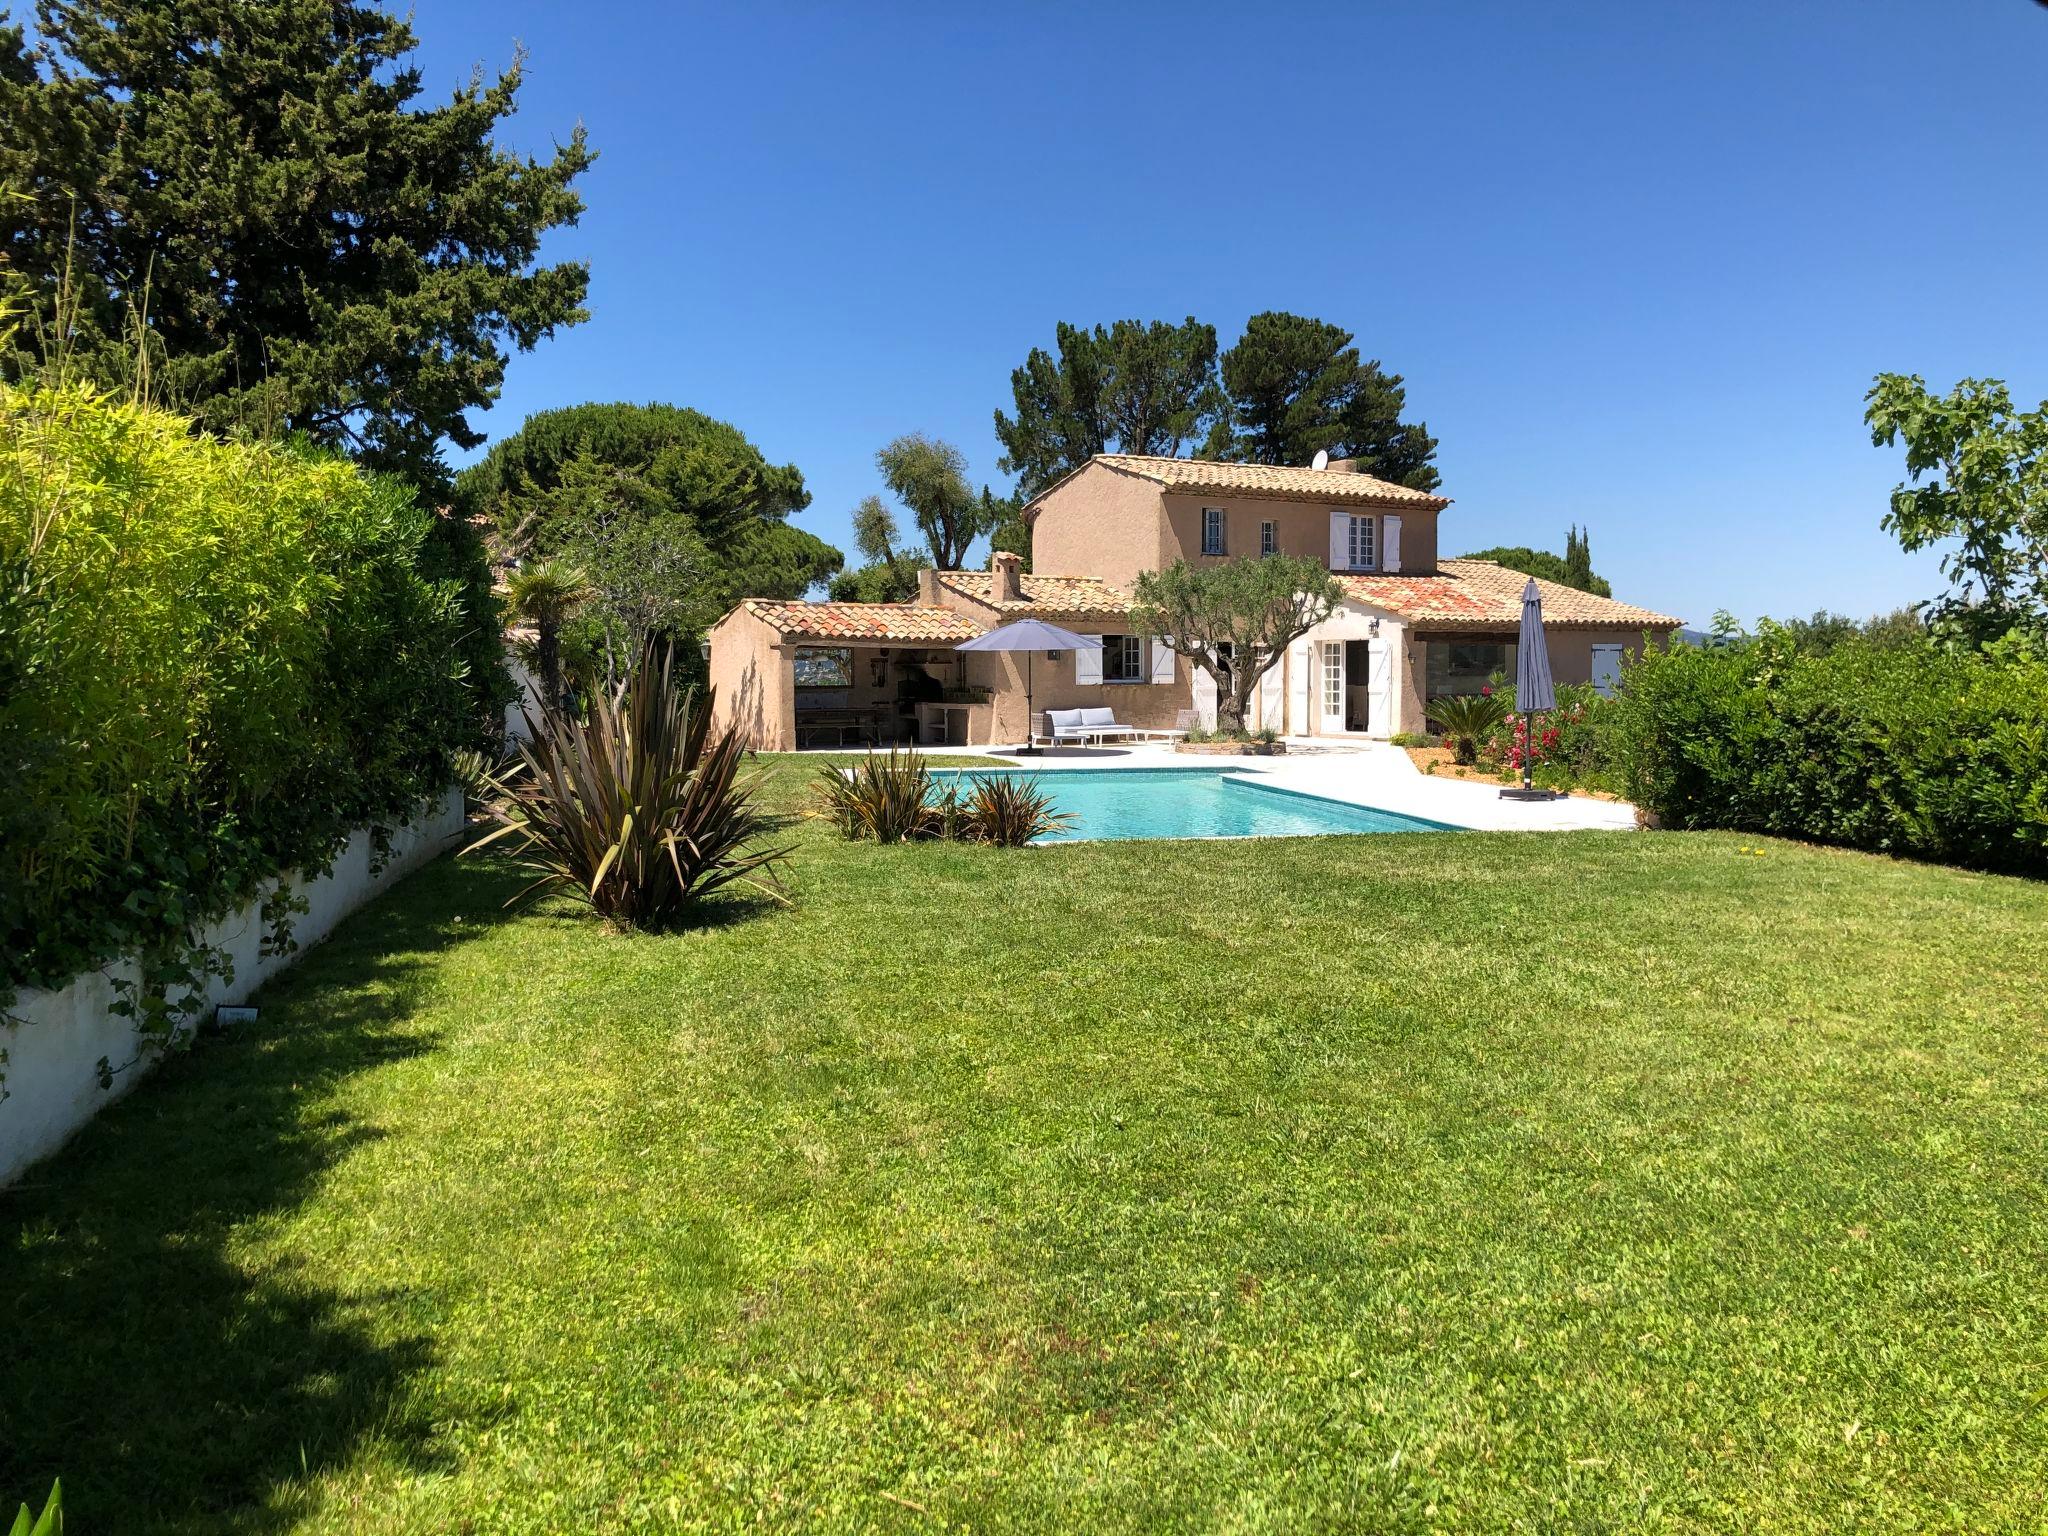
(1009, 812)
(896, 799)
(637, 809)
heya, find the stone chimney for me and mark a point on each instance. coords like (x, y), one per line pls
(928, 587)
(1006, 569)
(1342, 466)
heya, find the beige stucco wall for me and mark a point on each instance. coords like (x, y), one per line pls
(1108, 523)
(755, 682)
(1571, 661)
(1354, 621)
(1571, 651)
(1099, 522)
(1053, 685)
(1303, 530)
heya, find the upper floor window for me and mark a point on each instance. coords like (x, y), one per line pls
(1359, 546)
(1212, 530)
(1269, 538)
(1123, 659)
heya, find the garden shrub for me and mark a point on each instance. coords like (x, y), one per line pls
(217, 660)
(1903, 747)
(636, 808)
(1568, 749)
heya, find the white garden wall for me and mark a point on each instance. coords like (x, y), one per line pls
(54, 1053)
(529, 697)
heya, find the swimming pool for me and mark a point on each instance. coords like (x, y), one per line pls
(1117, 804)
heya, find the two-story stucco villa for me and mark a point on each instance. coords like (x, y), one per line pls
(1411, 627)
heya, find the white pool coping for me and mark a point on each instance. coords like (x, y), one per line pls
(1371, 774)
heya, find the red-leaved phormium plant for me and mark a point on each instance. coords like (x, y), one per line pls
(639, 809)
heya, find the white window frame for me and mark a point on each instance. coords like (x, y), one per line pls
(1269, 538)
(1212, 531)
(1123, 659)
(1362, 539)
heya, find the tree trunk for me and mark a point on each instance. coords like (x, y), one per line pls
(1229, 711)
(548, 654)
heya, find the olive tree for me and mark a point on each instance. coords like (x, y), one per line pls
(1234, 620)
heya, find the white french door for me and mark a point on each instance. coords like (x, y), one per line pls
(1331, 690)
(1380, 690)
(1202, 694)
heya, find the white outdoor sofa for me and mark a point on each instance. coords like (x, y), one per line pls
(1090, 727)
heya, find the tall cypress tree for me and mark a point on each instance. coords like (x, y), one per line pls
(1578, 559)
(312, 247)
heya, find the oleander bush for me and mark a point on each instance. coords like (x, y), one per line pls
(217, 660)
(1908, 747)
(1567, 748)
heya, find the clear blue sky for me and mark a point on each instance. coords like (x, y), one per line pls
(1637, 262)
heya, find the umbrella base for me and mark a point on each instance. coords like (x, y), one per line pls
(1530, 794)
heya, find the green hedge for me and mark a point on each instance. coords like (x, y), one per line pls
(1905, 748)
(216, 661)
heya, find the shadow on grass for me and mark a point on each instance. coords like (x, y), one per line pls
(171, 1386)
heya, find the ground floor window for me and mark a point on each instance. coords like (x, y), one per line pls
(1123, 659)
(1466, 666)
(824, 666)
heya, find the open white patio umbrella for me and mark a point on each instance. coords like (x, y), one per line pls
(1029, 635)
(1534, 692)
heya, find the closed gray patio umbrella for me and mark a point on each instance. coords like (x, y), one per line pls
(1029, 635)
(1534, 692)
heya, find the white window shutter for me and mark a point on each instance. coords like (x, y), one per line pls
(1340, 541)
(1391, 526)
(1162, 662)
(1088, 664)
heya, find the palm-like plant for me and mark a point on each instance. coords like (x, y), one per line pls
(1467, 719)
(1009, 812)
(891, 799)
(547, 596)
(639, 809)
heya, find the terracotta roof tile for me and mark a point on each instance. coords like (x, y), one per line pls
(893, 623)
(1481, 595)
(1042, 594)
(1272, 481)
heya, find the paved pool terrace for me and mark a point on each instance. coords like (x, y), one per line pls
(1371, 774)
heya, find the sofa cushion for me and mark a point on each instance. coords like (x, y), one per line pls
(1098, 717)
(1063, 719)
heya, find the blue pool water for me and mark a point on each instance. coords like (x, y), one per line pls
(1125, 803)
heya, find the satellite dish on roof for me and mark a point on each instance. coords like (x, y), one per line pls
(1321, 460)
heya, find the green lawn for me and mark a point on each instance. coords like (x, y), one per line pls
(1455, 1181)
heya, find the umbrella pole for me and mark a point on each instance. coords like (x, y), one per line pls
(1528, 749)
(1029, 744)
